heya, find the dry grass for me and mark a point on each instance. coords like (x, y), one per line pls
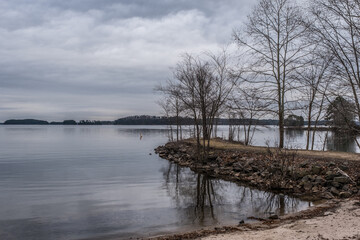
(327, 155)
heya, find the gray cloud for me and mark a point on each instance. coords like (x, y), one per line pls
(95, 59)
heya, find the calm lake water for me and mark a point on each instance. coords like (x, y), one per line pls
(84, 182)
(296, 139)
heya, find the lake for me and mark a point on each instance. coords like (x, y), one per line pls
(296, 139)
(86, 182)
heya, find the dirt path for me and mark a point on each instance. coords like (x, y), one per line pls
(343, 223)
(328, 155)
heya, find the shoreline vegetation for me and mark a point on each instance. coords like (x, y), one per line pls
(329, 177)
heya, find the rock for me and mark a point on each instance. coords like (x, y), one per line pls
(328, 214)
(335, 191)
(241, 222)
(345, 194)
(229, 164)
(319, 180)
(305, 179)
(330, 175)
(312, 178)
(335, 184)
(346, 188)
(212, 158)
(304, 165)
(315, 189)
(342, 179)
(308, 186)
(316, 169)
(344, 167)
(273, 217)
(300, 174)
(331, 164)
(238, 165)
(327, 195)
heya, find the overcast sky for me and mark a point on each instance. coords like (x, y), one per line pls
(92, 59)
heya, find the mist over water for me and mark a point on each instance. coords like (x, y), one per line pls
(80, 182)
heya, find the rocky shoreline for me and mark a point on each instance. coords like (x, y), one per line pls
(278, 171)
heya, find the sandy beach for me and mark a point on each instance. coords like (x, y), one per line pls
(340, 223)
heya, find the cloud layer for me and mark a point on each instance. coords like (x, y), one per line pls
(95, 59)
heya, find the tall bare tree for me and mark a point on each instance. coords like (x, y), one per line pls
(272, 39)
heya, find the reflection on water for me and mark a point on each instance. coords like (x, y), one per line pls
(343, 142)
(294, 133)
(210, 201)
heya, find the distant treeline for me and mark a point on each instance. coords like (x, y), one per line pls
(143, 120)
(65, 122)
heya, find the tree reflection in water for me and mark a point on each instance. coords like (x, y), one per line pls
(339, 141)
(195, 193)
(203, 200)
(264, 204)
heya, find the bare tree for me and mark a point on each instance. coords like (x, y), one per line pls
(319, 113)
(166, 110)
(202, 84)
(313, 79)
(337, 28)
(246, 103)
(272, 41)
(172, 109)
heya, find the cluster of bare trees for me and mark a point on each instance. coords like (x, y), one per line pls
(201, 86)
(293, 59)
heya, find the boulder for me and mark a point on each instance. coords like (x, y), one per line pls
(330, 175)
(316, 169)
(344, 167)
(335, 191)
(345, 194)
(315, 189)
(319, 180)
(327, 195)
(331, 164)
(308, 186)
(342, 179)
(335, 184)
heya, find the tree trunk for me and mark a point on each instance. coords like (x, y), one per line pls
(281, 129)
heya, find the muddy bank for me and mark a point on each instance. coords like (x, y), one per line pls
(279, 171)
